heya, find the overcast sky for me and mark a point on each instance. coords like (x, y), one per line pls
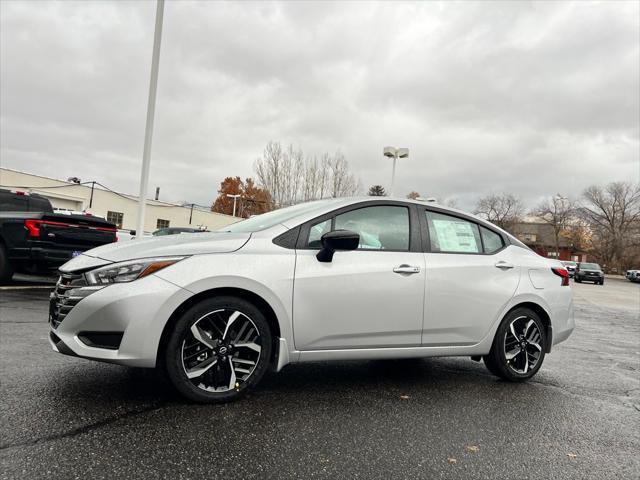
(529, 98)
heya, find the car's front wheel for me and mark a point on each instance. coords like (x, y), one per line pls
(519, 346)
(218, 349)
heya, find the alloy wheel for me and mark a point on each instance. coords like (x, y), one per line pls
(522, 347)
(221, 350)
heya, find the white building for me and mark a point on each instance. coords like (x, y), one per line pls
(119, 208)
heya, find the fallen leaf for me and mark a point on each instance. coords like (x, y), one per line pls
(472, 448)
(571, 455)
(404, 397)
(452, 461)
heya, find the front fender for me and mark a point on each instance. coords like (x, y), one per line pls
(272, 280)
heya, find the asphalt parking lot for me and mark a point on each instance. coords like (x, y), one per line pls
(65, 417)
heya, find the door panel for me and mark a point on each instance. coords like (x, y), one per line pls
(465, 295)
(357, 300)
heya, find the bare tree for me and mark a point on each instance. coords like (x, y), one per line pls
(343, 182)
(451, 202)
(291, 177)
(269, 170)
(613, 216)
(558, 211)
(502, 210)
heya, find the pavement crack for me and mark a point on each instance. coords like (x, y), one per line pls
(84, 428)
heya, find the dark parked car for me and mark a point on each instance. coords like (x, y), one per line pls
(570, 266)
(589, 272)
(34, 239)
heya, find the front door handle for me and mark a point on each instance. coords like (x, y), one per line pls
(504, 265)
(404, 268)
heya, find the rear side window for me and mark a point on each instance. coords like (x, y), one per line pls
(452, 234)
(491, 240)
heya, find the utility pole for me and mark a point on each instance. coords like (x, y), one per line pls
(93, 185)
(191, 213)
(151, 107)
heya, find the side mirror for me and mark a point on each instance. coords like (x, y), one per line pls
(337, 240)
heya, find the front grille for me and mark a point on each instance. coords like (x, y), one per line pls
(62, 299)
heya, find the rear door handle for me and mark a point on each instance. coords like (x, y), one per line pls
(404, 268)
(504, 265)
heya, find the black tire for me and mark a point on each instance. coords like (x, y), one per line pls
(6, 270)
(601, 282)
(578, 280)
(517, 369)
(215, 310)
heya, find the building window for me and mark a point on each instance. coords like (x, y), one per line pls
(162, 223)
(115, 217)
(552, 254)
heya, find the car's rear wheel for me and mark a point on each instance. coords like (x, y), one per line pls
(218, 349)
(518, 348)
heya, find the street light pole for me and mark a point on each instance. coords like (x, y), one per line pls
(395, 153)
(151, 107)
(235, 197)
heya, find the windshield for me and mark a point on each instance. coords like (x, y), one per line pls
(269, 219)
(569, 264)
(589, 266)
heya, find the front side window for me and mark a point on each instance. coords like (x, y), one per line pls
(380, 227)
(115, 218)
(453, 234)
(316, 232)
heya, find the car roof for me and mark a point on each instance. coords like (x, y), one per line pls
(328, 205)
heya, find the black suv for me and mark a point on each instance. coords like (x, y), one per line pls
(589, 272)
(34, 239)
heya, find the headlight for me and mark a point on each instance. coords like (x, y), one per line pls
(128, 271)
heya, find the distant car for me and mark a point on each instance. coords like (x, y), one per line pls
(589, 272)
(176, 231)
(633, 275)
(125, 235)
(571, 267)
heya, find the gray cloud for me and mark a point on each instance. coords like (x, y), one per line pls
(531, 98)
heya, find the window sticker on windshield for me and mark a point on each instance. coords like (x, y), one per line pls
(455, 236)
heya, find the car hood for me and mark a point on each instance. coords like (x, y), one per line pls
(171, 245)
(584, 270)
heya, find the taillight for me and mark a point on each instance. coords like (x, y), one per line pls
(562, 272)
(33, 226)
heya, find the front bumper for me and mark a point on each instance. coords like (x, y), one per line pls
(139, 309)
(590, 278)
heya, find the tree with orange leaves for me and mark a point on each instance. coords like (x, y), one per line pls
(253, 200)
